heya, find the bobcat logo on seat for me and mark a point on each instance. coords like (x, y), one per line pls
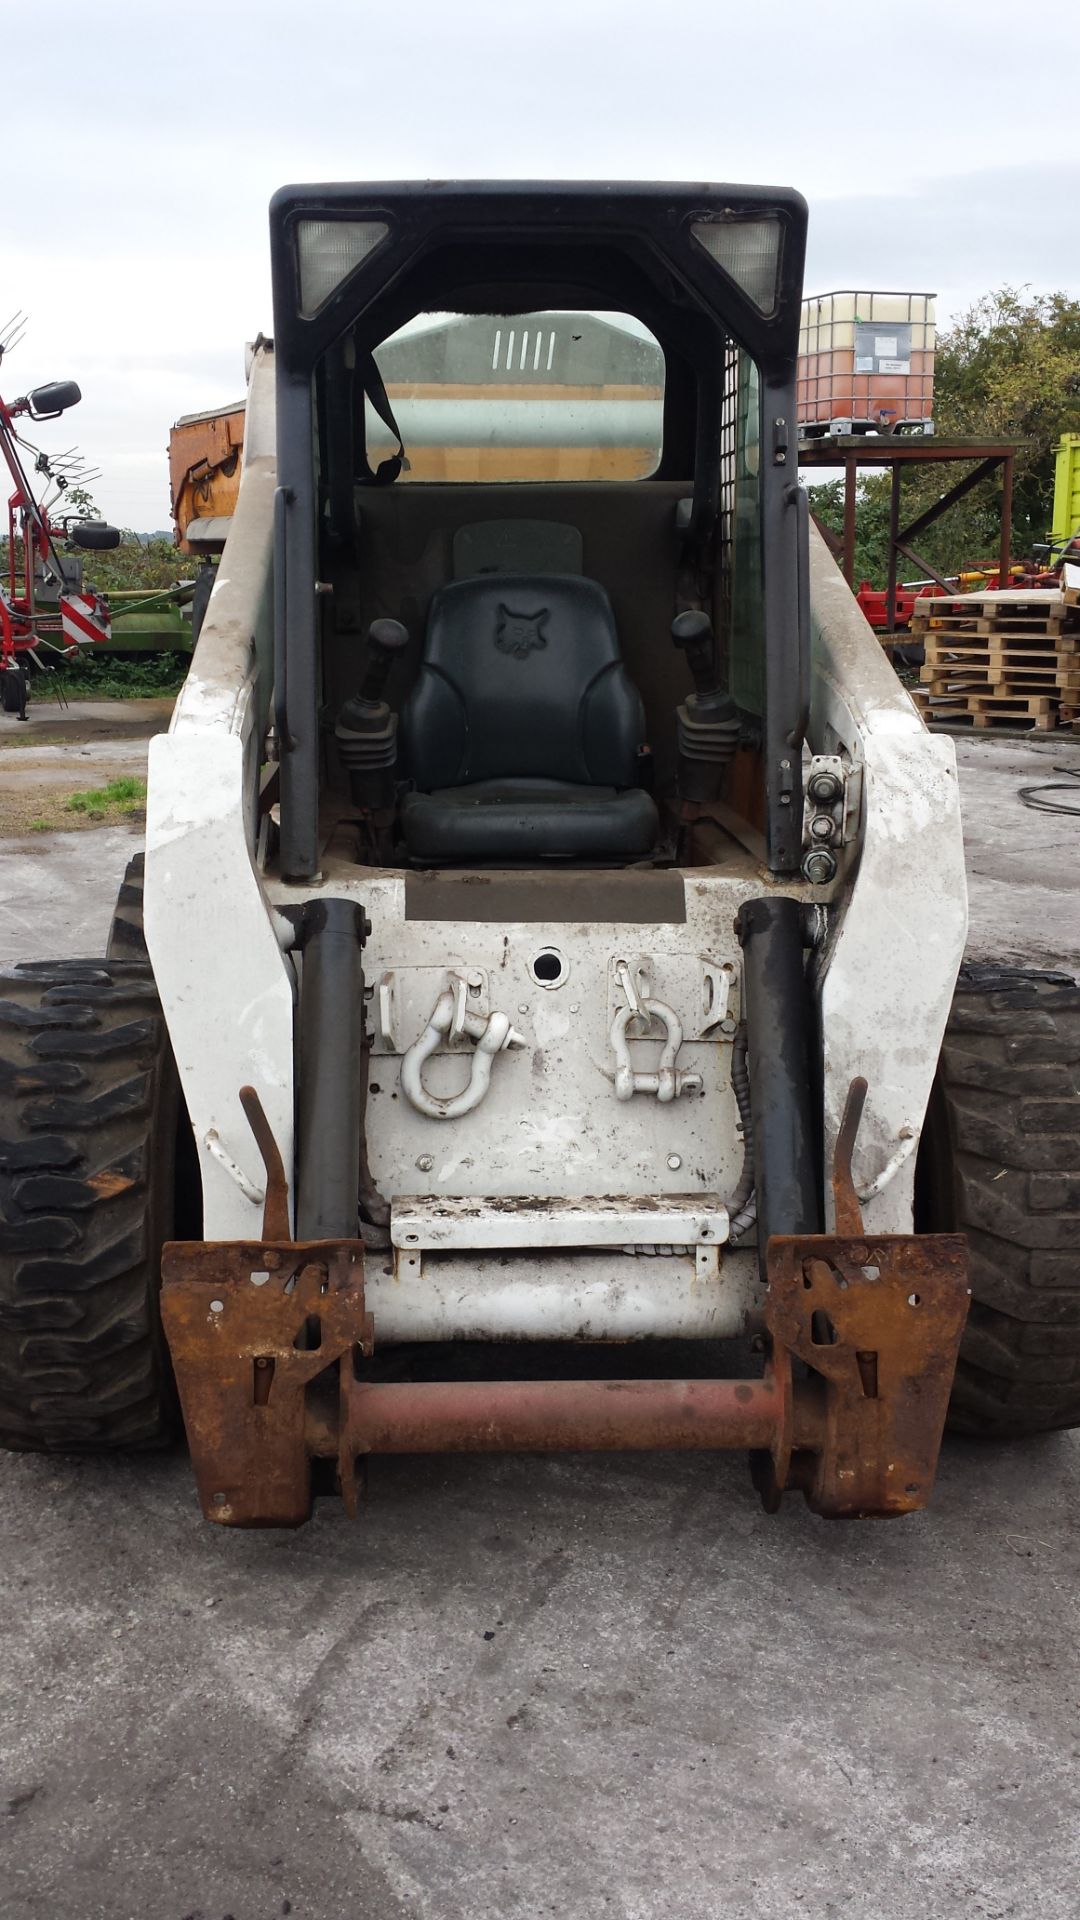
(520, 633)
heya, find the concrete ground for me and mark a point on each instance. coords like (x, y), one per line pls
(81, 720)
(598, 1688)
(1023, 865)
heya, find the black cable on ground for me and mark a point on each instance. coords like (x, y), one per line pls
(1027, 794)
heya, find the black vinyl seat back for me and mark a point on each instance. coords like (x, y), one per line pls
(522, 679)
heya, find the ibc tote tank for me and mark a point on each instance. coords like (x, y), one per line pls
(866, 363)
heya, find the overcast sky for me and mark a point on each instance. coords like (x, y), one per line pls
(143, 142)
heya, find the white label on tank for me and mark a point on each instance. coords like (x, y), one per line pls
(885, 345)
(894, 366)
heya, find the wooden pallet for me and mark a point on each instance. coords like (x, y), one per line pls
(1061, 670)
(985, 670)
(1042, 612)
(1036, 601)
(1000, 650)
(1026, 705)
(977, 619)
(987, 710)
(1036, 640)
(981, 626)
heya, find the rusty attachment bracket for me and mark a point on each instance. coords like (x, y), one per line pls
(264, 1337)
(866, 1329)
(267, 1337)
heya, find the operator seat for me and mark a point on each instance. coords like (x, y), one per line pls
(523, 733)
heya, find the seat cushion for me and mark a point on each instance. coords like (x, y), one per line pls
(526, 821)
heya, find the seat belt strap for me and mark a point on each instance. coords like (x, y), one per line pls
(375, 391)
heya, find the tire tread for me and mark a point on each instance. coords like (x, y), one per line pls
(89, 1107)
(1001, 1163)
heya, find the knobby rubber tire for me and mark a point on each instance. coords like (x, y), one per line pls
(13, 690)
(126, 938)
(95, 1174)
(1000, 1161)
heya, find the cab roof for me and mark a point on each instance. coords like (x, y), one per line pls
(687, 259)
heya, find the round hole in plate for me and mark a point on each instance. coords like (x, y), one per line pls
(549, 968)
(914, 1299)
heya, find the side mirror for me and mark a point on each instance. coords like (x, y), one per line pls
(47, 402)
(94, 536)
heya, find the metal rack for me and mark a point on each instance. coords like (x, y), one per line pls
(852, 451)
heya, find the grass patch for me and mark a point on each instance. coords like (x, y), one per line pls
(41, 826)
(123, 796)
(103, 676)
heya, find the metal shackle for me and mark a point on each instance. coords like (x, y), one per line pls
(666, 1083)
(491, 1035)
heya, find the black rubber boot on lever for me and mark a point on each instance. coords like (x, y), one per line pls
(707, 721)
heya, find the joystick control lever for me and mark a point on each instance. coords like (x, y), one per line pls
(386, 640)
(693, 632)
(366, 730)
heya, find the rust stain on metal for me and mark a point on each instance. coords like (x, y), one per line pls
(845, 1198)
(545, 1416)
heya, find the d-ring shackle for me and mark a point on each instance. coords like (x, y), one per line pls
(492, 1036)
(668, 1082)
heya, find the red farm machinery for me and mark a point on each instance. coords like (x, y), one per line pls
(43, 600)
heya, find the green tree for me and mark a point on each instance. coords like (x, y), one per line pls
(137, 564)
(146, 564)
(871, 521)
(1009, 368)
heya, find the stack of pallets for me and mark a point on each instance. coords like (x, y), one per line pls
(1004, 661)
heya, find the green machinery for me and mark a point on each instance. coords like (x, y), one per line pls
(1066, 522)
(157, 622)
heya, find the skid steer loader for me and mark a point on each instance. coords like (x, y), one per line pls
(554, 922)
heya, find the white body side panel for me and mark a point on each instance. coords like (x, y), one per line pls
(225, 986)
(890, 969)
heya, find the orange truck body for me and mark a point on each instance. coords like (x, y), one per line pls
(205, 456)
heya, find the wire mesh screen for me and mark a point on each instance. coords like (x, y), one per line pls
(726, 529)
(741, 608)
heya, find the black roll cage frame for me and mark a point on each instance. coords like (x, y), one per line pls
(506, 246)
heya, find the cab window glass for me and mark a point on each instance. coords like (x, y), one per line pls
(534, 396)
